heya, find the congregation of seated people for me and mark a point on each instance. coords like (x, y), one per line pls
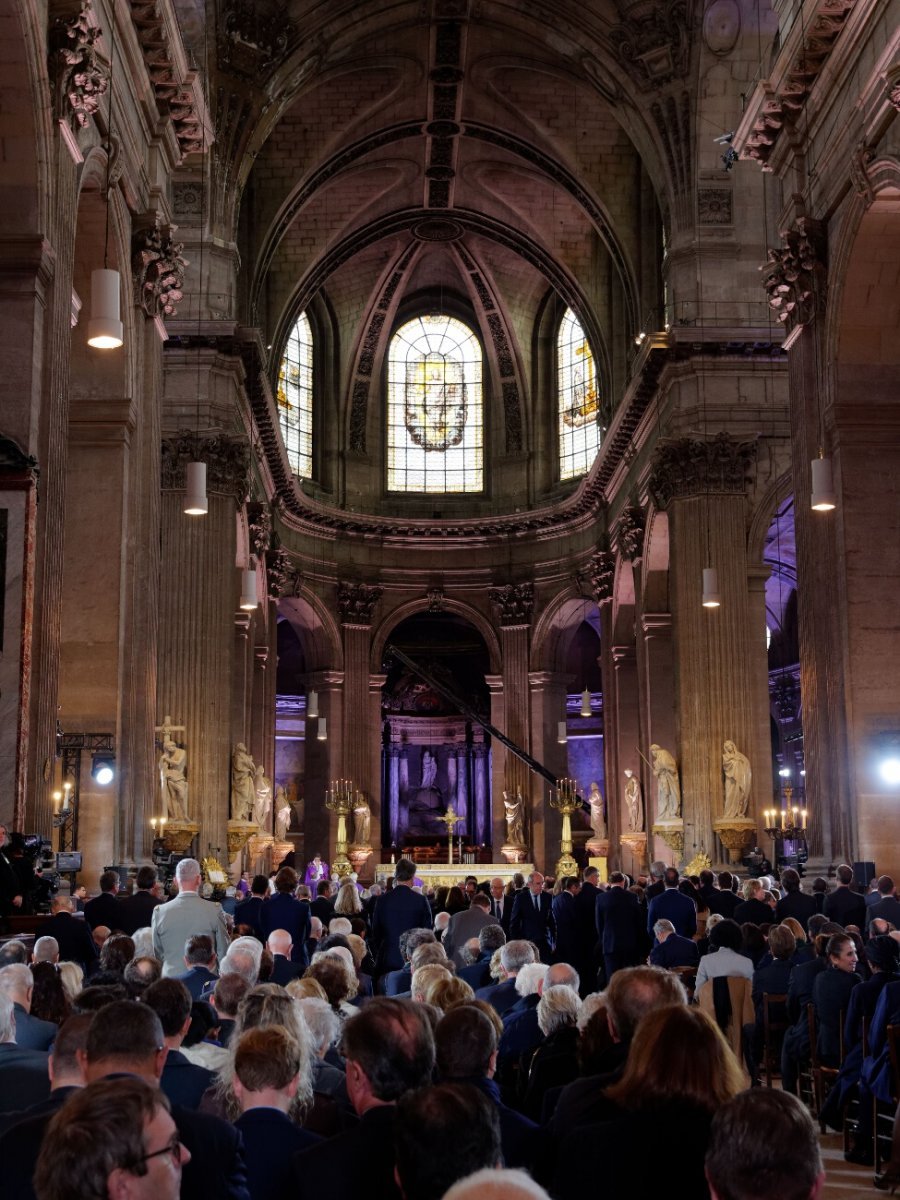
(518, 1039)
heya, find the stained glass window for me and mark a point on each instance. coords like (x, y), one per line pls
(579, 433)
(435, 423)
(295, 397)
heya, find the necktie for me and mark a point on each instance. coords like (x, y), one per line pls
(537, 903)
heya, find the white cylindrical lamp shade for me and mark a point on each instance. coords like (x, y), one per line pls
(196, 502)
(105, 330)
(322, 730)
(823, 498)
(249, 598)
(561, 735)
(586, 703)
(711, 597)
(312, 704)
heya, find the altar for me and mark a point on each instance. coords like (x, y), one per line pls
(446, 875)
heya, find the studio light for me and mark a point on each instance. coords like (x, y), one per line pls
(784, 772)
(196, 502)
(711, 597)
(103, 769)
(890, 771)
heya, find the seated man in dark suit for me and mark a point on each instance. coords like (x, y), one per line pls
(249, 910)
(200, 960)
(105, 909)
(502, 996)
(843, 905)
(671, 949)
(283, 970)
(183, 1081)
(887, 905)
(395, 983)
(66, 1076)
(23, 1073)
(726, 899)
(389, 1050)
(270, 1066)
(795, 903)
(444, 1134)
(477, 974)
(72, 934)
(17, 982)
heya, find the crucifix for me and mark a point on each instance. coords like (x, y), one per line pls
(167, 729)
(451, 820)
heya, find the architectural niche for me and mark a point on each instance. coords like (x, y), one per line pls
(79, 75)
(688, 467)
(514, 603)
(794, 277)
(157, 264)
(356, 602)
(227, 458)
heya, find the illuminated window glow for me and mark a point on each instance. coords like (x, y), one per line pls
(579, 406)
(295, 397)
(435, 434)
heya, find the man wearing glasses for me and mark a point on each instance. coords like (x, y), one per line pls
(114, 1140)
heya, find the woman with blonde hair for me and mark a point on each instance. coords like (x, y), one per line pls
(446, 990)
(804, 950)
(348, 903)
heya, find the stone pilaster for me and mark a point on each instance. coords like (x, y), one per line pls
(622, 690)
(324, 761)
(657, 707)
(548, 707)
(356, 604)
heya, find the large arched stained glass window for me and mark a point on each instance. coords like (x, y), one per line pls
(435, 422)
(576, 389)
(295, 397)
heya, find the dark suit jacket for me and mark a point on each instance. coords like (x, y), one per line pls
(831, 996)
(725, 903)
(396, 911)
(396, 982)
(565, 917)
(104, 909)
(675, 951)
(797, 905)
(504, 904)
(197, 980)
(519, 1136)
(501, 996)
(673, 906)
(31, 1032)
(323, 909)
(74, 938)
(23, 1077)
(248, 913)
(21, 1143)
(757, 912)
(284, 970)
(270, 1142)
(845, 907)
(333, 1168)
(521, 1031)
(217, 1167)
(620, 923)
(184, 1082)
(585, 916)
(478, 974)
(888, 907)
(534, 924)
(800, 991)
(773, 979)
(135, 911)
(283, 911)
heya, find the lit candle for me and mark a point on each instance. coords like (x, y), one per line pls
(803, 818)
(57, 796)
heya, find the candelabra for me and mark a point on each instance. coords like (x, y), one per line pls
(451, 820)
(339, 799)
(566, 801)
(788, 823)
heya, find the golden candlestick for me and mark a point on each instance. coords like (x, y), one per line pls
(566, 801)
(339, 799)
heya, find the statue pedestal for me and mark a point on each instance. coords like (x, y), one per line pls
(514, 854)
(735, 833)
(597, 847)
(239, 834)
(260, 853)
(280, 850)
(671, 830)
(636, 843)
(179, 835)
(359, 857)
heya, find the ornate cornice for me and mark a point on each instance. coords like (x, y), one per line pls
(686, 467)
(175, 86)
(356, 602)
(80, 77)
(158, 268)
(514, 603)
(602, 573)
(795, 275)
(227, 458)
(629, 533)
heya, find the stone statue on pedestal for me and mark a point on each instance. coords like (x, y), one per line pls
(362, 821)
(262, 797)
(634, 801)
(243, 779)
(283, 813)
(515, 818)
(668, 785)
(173, 780)
(598, 818)
(736, 767)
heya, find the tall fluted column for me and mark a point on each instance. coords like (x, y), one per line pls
(356, 604)
(702, 484)
(548, 707)
(514, 604)
(657, 709)
(322, 762)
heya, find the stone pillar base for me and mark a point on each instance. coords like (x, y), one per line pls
(735, 833)
(259, 853)
(636, 843)
(671, 830)
(179, 835)
(239, 834)
(597, 847)
(514, 854)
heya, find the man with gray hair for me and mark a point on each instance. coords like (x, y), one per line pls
(13, 951)
(188, 913)
(490, 939)
(46, 949)
(23, 1073)
(17, 982)
(513, 957)
(671, 949)
(657, 887)
(521, 1028)
(397, 982)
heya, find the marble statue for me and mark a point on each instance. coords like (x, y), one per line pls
(362, 821)
(634, 801)
(262, 793)
(598, 819)
(243, 782)
(429, 769)
(515, 818)
(737, 780)
(173, 780)
(283, 813)
(668, 786)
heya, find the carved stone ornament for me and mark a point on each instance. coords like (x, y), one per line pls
(602, 573)
(14, 462)
(685, 467)
(356, 602)
(435, 599)
(282, 578)
(259, 517)
(515, 602)
(794, 276)
(158, 267)
(630, 533)
(175, 97)
(714, 206)
(860, 159)
(227, 459)
(253, 35)
(81, 77)
(652, 42)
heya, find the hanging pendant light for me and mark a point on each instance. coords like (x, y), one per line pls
(561, 735)
(312, 704)
(249, 598)
(586, 703)
(322, 733)
(711, 597)
(823, 497)
(196, 502)
(105, 330)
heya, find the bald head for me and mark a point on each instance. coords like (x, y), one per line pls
(280, 942)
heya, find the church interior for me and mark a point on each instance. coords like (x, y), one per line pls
(453, 427)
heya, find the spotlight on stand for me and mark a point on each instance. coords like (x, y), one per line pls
(103, 769)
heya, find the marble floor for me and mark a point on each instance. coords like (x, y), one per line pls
(844, 1181)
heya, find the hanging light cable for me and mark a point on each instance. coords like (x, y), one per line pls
(710, 596)
(585, 695)
(196, 500)
(105, 329)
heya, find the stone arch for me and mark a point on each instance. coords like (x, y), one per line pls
(623, 603)
(655, 563)
(395, 616)
(315, 626)
(25, 130)
(557, 626)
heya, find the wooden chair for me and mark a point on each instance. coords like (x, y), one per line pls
(774, 1025)
(851, 1107)
(822, 1076)
(883, 1123)
(688, 976)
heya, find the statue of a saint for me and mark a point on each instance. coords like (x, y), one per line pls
(598, 817)
(515, 818)
(283, 813)
(737, 780)
(362, 820)
(634, 801)
(173, 780)
(243, 782)
(429, 769)
(668, 785)
(262, 797)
